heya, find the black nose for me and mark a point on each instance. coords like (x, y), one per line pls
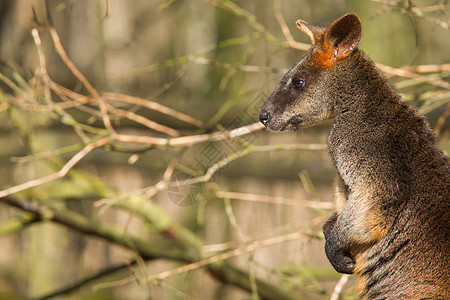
(264, 117)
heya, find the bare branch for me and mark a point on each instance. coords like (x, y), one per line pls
(154, 106)
(405, 73)
(227, 255)
(275, 200)
(189, 140)
(427, 68)
(141, 120)
(285, 29)
(61, 173)
(62, 53)
(441, 121)
(338, 288)
(85, 281)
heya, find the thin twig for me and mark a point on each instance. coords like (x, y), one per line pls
(152, 190)
(42, 66)
(46, 83)
(252, 21)
(61, 173)
(62, 53)
(273, 231)
(338, 288)
(141, 120)
(107, 9)
(427, 68)
(418, 12)
(161, 185)
(249, 149)
(189, 140)
(441, 121)
(46, 154)
(227, 255)
(285, 29)
(65, 58)
(237, 229)
(236, 66)
(132, 100)
(87, 280)
(405, 73)
(116, 283)
(175, 291)
(153, 106)
(274, 200)
(9, 83)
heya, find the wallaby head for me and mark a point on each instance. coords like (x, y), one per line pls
(303, 97)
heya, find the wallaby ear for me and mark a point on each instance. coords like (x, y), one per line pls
(314, 32)
(344, 34)
(339, 40)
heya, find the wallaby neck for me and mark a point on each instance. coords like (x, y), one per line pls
(368, 114)
(376, 136)
(360, 89)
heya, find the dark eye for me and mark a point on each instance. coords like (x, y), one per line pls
(298, 83)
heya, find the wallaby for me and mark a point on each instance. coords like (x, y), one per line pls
(392, 225)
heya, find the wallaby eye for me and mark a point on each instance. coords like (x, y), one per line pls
(298, 83)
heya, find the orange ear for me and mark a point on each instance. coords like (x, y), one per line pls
(339, 40)
(315, 33)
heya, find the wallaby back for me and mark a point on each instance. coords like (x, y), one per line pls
(392, 225)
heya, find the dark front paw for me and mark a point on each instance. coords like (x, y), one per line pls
(342, 262)
(336, 251)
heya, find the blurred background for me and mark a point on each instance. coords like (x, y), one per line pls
(145, 196)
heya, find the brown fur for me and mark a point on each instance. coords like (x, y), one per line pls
(391, 227)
